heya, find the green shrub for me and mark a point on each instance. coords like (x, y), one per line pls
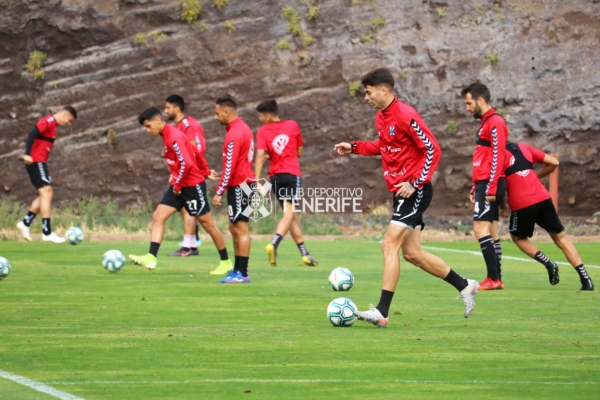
(34, 65)
(158, 37)
(313, 13)
(501, 112)
(221, 5)
(191, 11)
(229, 26)
(479, 8)
(353, 88)
(140, 38)
(307, 39)
(377, 23)
(403, 74)
(492, 59)
(367, 38)
(452, 127)
(202, 26)
(440, 13)
(284, 44)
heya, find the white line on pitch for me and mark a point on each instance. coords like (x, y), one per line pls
(40, 387)
(321, 381)
(478, 253)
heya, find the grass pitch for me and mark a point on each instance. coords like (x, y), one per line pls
(175, 333)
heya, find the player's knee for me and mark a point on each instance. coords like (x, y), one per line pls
(560, 239)
(412, 256)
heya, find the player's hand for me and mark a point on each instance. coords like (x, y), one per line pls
(343, 148)
(170, 179)
(405, 189)
(504, 211)
(472, 198)
(217, 200)
(26, 159)
(213, 175)
(176, 192)
(490, 199)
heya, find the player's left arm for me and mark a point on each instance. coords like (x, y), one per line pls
(299, 142)
(424, 140)
(550, 164)
(182, 164)
(499, 134)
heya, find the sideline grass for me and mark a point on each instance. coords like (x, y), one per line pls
(176, 333)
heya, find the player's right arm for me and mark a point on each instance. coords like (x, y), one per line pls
(260, 154)
(359, 147)
(230, 151)
(550, 164)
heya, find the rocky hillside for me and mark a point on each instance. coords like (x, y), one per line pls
(111, 59)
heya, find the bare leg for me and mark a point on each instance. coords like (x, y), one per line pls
(561, 240)
(241, 238)
(392, 242)
(35, 206)
(208, 223)
(295, 230)
(46, 194)
(414, 254)
(288, 216)
(525, 245)
(189, 223)
(160, 215)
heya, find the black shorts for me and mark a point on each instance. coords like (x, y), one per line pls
(286, 187)
(193, 198)
(38, 174)
(409, 212)
(522, 222)
(238, 203)
(484, 211)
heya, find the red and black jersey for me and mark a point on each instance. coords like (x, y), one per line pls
(488, 158)
(179, 154)
(281, 141)
(194, 132)
(523, 187)
(41, 139)
(238, 152)
(409, 151)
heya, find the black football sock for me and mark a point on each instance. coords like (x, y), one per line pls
(542, 259)
(302, 248)
(489, 255)
(186, 248)
(456, 280)
(244, 265)
(583, 276)
(197, 237)
(384, 302)
(154, 246)
(236, 263)
(276, 240)
(28, 219)
(498, 249)
(223, 254)
(46, 227)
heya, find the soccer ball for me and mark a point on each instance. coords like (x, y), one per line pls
(74, 235)
(341, 279)
(340, 312)
(113, 261)
(4, 268)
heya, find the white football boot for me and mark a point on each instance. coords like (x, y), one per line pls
(24, 229)
(53, 237)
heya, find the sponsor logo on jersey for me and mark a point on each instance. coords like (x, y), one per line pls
(280, 142)
(392, 131)
(523, 173)
(251, 151)
(512, 160)
(398, 173)
(477, 163)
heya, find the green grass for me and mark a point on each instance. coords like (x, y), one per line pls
(176, 333)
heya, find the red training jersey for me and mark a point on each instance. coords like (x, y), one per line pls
(523, 187)
(179, 154)
(281, 141)
(238, 152)
(488, 158)
(409, 151)
(194, 132)
(44, 141)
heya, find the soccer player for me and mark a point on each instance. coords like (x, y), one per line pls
(174, 109)
(530, 204)
(489, 185)
(409, 156)
(187, 189)
(282, 141)
(39, 143)
(238, 152)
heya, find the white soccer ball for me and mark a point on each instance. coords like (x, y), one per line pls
(74, 235)
(340, 312)
(341, 279)
(4, 268)
(113, 261)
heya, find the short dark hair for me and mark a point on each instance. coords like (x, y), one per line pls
(227, 101)
(71, 110)
(177, 100)
(477, 90)
(378, 77)
(148, 114)
(268, 107)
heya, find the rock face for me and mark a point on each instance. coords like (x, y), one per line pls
(112, 59)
